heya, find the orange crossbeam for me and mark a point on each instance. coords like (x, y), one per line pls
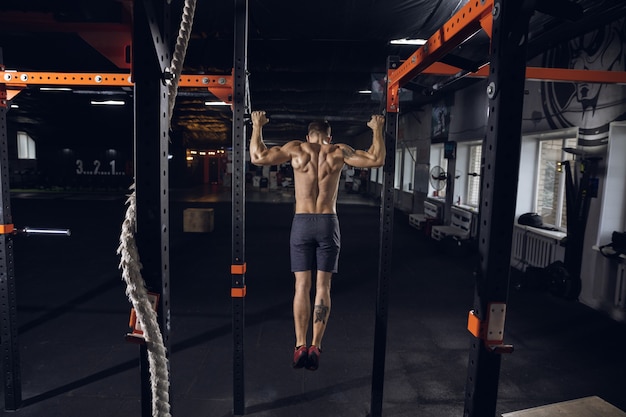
(105, 79)
(69, 79)
(221, 86)
(541, 74)
(576, 76)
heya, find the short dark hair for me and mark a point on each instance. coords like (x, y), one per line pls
(321, 126)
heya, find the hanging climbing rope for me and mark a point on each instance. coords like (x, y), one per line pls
(130, 264)
(146, 315)
(178, 58)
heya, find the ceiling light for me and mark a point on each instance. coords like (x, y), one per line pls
(365, 91)
(55, 89)
(108, 103)
(216, 103)
(15, 106)
(407, 41)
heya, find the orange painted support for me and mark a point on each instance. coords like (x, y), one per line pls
(575, 75)
(221, 86)
(474, 16)
(112, 40)
(541, 74)
(238, 292)
(491, 330)
(65, 79)
(7, 229)
(238, 269)
(136, 335)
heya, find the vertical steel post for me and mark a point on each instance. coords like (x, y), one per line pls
(384, 263)
(146, 386)
(238, 203)
(151, 156)
(501, 151)
(8, 299)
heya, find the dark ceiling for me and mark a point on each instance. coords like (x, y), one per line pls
(306, 60)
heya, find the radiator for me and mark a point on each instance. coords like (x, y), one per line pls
(535, 247)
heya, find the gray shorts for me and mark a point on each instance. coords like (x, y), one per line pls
(315, 242)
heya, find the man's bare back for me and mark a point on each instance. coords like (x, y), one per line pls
(317, 169)
(317, 163)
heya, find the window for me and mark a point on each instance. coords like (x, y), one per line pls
(376, 175)
(409, 168)
(473, 177)
(398, 173)
(550, 199)
(25, 146)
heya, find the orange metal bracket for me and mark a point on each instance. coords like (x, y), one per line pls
(136, 335)
(14, 91)
(238, 269)
(221, 86)
(6, 229)
(238, 292)
(491, 331)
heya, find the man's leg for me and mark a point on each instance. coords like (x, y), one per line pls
(321, 313)
(302, 306)
(321, 310)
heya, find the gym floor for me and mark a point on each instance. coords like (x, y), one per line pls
(73, 315)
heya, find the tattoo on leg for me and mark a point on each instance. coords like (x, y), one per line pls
(321, 312)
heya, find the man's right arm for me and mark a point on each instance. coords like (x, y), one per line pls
(260, 154)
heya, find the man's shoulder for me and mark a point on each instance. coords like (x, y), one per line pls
(293, 144)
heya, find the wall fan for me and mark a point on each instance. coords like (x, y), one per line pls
(438, 178)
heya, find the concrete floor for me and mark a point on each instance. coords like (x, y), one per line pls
(73, 315)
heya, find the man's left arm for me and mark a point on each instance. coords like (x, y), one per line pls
(374, 157)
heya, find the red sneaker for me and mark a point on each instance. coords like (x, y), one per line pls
(300, 357)
(313, 361)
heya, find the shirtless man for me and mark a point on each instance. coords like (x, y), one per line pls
(315, 237)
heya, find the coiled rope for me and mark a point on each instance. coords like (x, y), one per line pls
(130, 264)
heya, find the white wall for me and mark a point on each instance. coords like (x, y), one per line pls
(603, 286)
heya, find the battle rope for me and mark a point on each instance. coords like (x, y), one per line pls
(130, 264)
